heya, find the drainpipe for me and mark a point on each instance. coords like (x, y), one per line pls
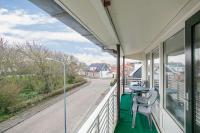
(123, 73)
(118, 82)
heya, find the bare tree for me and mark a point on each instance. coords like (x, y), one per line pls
(30, 59)
(37, 54)
(3, 54)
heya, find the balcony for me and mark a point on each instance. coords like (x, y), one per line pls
(104, 118)
(159, 33)
(125, 122)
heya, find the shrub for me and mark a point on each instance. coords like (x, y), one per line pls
(8, 96)
(29, 95)
(78, 79)
(27, 88)
(71, 80)
(112, 83)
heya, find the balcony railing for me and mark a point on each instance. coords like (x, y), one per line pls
(129, 80)
(104, 117)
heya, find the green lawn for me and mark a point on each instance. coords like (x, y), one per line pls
(4, 116)
(125, 123)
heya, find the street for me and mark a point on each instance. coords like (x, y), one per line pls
(79, 105)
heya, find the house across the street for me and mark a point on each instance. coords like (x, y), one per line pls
(99, 70)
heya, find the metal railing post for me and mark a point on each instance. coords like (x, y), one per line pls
(65, 111)
(118, 82)
(108, 114)
(123, 73)
(113, 108)
(98, 129)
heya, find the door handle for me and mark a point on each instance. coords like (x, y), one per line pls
(186, 100)
(186, 104)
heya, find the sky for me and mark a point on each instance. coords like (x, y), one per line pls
(21, 21)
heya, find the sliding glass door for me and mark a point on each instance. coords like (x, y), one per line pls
(196, 69)
(155, 78)
(193, 73)
(174, 77)
(148, 70)
(155, 67)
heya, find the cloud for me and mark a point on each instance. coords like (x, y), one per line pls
(91, 58)
(21, 17)
(11, 19)
(88, 48)
(100, 57)
(45, 36)
(92, 49)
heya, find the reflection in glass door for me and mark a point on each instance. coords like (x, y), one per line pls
(196, 80)
(192, 49)
(174, 77)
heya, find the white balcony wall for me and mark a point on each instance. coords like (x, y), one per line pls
(167, 124)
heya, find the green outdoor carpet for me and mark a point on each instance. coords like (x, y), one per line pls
(125, 123)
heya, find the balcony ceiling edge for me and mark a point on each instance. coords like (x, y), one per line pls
(136, 56)
(92, 16)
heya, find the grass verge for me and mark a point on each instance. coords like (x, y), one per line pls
(35, 100)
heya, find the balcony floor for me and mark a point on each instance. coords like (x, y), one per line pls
(124, 125)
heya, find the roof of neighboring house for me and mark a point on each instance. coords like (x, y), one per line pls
(175, 64)
(97, 67)
(168, 69)
(137, 67)
(114, 69)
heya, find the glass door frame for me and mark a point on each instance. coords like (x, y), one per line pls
(189, 65)
(153, 51)
(148, 57)
(156, 49)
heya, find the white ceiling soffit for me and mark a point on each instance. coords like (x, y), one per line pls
(136, 56)
(139, 22)
(92, 15)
